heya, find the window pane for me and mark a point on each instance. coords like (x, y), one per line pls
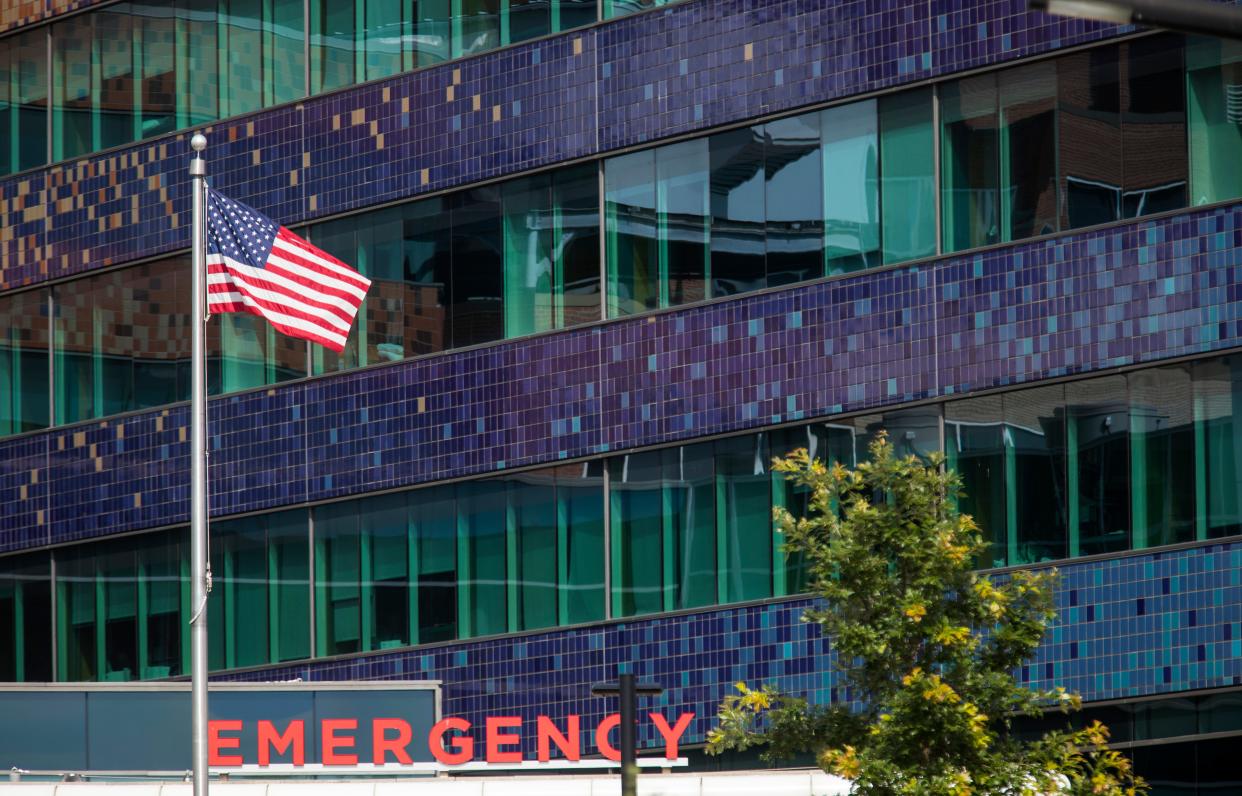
(1099, 447)
(1154, 126)
(428, 283)
(478, 267)
(73, 87)
(619, 8)
(637, 533)
(1028, 150)
(284, 60)
(532, 504)
(690, 518)
(244, 351)
(338, 575)
(238, 605)
(434, 515)
(576, 197)
(1162, 437)
(26, 619)
(529, 289)
(1035, 418)
(332, 44)
(479, 26)
(738, 211)
(528, 19)
(574, 13)
(432, 32)
(580, 510)
(682, 194)
(851, 193)
(907, 176)
(24, 332)
(116, 102)
(744, 498)
(76, 604)
(971, 202)
(386, 571)
(117, 572)
(163, 602)
(1089, 98)
(199, 61)
(980, 449)
(385, 31)
(122, 342)
(794, 196)
(156, 30)
(1218, 390)
(23, 102)
(1214, 74)
(481, 518)
(630, 197)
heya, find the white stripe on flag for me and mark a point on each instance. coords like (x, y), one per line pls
(311, 255)
(276, 316)
(279, 281)
(280, 298)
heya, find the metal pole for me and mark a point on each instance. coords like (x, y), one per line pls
(629, 763)
(198, 470)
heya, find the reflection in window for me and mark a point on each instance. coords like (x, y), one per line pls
(1214, 119)
(1098, 443)
(851, 189)
(969, 158)
(738, 210)
(1028, 150)
(794, 193)
(907, 176)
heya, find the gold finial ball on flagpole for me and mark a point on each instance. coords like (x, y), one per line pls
(199, 142)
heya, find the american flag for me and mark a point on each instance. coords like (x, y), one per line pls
(255, 265)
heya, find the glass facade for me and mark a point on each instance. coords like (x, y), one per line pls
(1147, 458)
(24, 330)
(23, 101)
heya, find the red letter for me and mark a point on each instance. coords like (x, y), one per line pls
(381, 744)
(331, 742)
(601, 737)
(215, 743)
(295, 734)
(464, 744)
(568, 744)
(673, 734)
(496, 739)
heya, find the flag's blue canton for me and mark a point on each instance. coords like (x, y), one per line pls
(238, 232)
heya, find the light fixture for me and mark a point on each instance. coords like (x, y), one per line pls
(1221, 20)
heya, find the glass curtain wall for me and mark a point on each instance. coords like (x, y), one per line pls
(23, 101)
(132, 71)
(620, 8)
(26, 619)
(24, 329)
(1214, 111)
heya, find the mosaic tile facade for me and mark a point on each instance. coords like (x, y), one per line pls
(1132, 294)
(1144, 624)
(687, 67)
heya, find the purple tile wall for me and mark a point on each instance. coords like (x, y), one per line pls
(687, 67)
(1135, 293)
(1144, 624)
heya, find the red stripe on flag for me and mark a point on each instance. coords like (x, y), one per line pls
(255, 279)
(341, 271)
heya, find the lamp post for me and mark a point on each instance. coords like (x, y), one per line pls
(1222, 20)
(628, 689)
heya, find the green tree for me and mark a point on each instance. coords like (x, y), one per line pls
(926, 646)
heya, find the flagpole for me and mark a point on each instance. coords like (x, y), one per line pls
(198, 469)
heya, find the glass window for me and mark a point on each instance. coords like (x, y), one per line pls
(533, 519)
(428, 264)
(1098, 444)
(619, 8)
(907, 176)
(530, 290)
(1213, 76)
(23, 101)
(483, 559)
(1035, 423)
(333, 37)
(244, 351)
(851, 187)
(575, 194)
(1089, 101)
(684, 218)
(1162, 440)
(744, 516)
(387, 29)
(638, 554)
(580, 533)
(75, 82)
(634, 282)
(77, 601)
(794, 197)
(1028, 150)
(338, 580)
(433, 516)
(155, 48)
(25, 619)
(476, 26)
(525, 19)
(432, 33)
(979, 448)
(121, 341)
(24, 332)
(692, 544)
(739, 214)
(1153, 126)
(200, 55)
(1218, 397)
(478, 267)
(969, 156)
